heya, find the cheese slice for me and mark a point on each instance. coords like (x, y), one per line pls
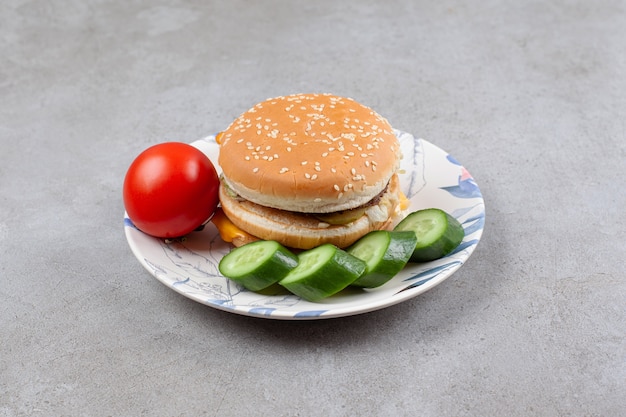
(228, 231)
(404, 201)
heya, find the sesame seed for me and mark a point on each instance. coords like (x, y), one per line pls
(255, 170)
(307, 175)
(336, 187)
(353, 171)
(317, 200)
(318, 169)
(283, 170)
(314, 176)
(304, 162)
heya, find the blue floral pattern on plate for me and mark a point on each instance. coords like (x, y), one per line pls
(429, 177)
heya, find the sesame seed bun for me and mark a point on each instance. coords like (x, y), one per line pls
(314, 153)
(308, 169)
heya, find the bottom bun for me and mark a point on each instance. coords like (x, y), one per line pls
(304, 231)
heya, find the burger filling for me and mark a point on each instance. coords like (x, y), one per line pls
(377, 209)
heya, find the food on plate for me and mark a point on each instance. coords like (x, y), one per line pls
(309, 169)
(385, 254)
(170, 189)
(259, 264)
(438, 233)
(322, 272)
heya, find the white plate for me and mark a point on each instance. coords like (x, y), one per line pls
(430, 178)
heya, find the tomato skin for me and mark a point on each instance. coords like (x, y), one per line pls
(170, 190)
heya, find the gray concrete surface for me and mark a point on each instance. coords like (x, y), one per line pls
(529, 95)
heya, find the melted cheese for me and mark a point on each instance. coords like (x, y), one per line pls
(227, 229)
(404, 202)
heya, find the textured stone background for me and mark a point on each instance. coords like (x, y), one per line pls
(530, 96)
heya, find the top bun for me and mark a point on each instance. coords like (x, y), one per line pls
(313, 153)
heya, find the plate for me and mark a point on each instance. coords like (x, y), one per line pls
(429, 176)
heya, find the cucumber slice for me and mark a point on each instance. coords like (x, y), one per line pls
(258, 265)
(438, 233)
(385, 254)
(322, 272)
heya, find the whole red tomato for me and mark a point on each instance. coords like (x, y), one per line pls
(170, 189)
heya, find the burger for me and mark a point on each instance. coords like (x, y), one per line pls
(309, 169)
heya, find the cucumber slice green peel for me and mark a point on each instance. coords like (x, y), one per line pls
(322, 272)
(258, 265)
(385, 254)
(438, 233)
